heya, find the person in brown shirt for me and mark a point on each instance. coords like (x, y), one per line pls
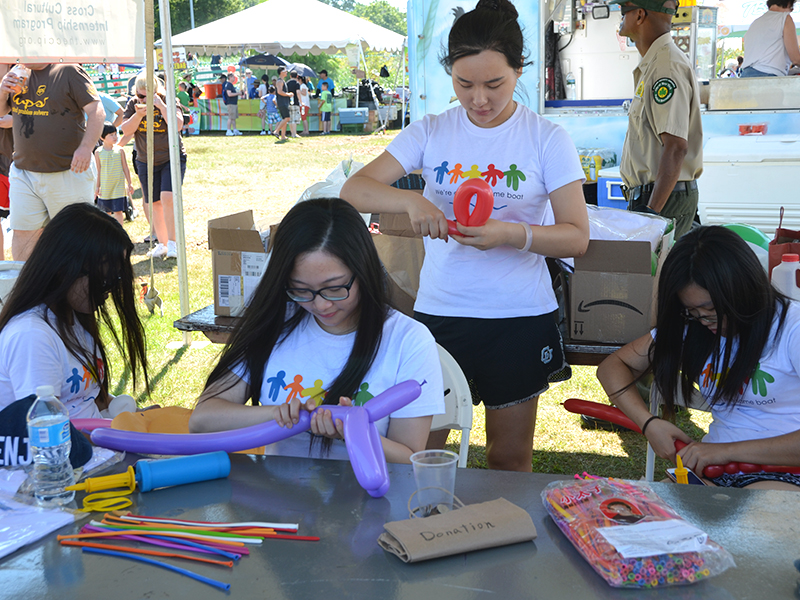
(57, 119)
(135, 123)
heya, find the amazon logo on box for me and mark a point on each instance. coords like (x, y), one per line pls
(612, 291)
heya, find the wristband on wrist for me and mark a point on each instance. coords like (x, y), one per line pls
(646, 423)
(528, 236)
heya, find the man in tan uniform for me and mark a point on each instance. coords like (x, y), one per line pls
(663, 152)
(57, 120)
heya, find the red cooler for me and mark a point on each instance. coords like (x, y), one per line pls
(213, 90)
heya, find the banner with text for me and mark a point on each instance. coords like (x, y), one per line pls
(78, 31)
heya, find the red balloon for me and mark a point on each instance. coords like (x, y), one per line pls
(484, 203)
(749, 468)
(615, 415)
(780, 469)
(600, 411)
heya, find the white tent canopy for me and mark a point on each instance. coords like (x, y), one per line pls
(287, 26)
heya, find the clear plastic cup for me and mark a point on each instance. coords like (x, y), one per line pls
(22, 73)
(435, 474)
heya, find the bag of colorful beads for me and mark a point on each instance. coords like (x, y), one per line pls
(630, 536)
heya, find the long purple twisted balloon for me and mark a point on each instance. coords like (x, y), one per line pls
(362, 438)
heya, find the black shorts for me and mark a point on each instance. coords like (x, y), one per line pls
(284, 110)
(162, 179)
(740, 480)
(506, 361)
(113, 204)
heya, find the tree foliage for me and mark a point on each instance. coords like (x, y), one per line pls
(345, 5)
(384, 14)
(205, 11)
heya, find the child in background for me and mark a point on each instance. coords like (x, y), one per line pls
(184, 99)
(325, 107)
(262, 105)
(113, 177)
(273, 116)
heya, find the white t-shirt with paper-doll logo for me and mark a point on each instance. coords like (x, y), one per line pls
(770, 402)
(307, 362)
(33, 354)
(523, 160)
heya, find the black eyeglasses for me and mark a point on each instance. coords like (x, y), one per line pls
(332, 293)
(704, 319)
(140, 97)
(108, 284)
(624, 10)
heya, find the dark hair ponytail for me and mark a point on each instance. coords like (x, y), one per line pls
(491, 25)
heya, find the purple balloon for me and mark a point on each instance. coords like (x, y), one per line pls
(361, 436)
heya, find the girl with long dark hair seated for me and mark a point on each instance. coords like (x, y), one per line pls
(721, 326)
(318, 330)
(50, 326)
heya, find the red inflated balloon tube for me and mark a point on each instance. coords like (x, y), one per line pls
(484, 202)
(615, 415)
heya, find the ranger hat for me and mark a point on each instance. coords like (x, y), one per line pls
(654, 5)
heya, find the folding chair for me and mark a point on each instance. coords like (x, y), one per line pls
(696, 401)
(457, 403)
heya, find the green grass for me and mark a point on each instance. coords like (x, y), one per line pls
(231, 174)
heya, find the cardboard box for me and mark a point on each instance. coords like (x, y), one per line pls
(238, 260)
(612, 291)
(401, 253)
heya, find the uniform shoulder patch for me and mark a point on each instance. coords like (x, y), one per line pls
(663, 90)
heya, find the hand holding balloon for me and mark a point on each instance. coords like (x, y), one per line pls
(484, 202)
(361, 436)
(615, 415)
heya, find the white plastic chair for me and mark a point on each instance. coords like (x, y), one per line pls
(696, 401)
(457, 403)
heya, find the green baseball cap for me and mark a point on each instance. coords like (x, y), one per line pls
(654, 5)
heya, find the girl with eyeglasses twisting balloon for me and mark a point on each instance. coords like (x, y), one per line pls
(318, 331)
(724, 328)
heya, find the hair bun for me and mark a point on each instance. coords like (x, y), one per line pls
(498, 5)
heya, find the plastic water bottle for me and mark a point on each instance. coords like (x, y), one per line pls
(785, 276)
(570, 86)
(50, 443)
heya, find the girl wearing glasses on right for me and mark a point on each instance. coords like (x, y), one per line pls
(317, 331)
(723, 327)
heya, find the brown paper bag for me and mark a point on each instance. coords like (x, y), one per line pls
(474, 527)
(401, 255)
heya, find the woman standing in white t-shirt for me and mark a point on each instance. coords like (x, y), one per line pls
(318, 331)
(770, 44)
(50, 323)
(723, 327)
(487, 295)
